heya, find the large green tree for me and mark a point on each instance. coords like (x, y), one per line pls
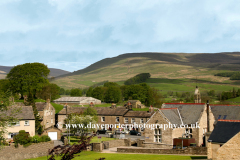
(75, 92)
(49, 91)
(28, 78)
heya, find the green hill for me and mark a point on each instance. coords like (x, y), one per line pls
(169, 71)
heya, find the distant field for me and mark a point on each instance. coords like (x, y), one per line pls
(58, 107)
(169, 72)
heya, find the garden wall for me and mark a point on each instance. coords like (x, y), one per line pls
(189, 150)
(33, 151)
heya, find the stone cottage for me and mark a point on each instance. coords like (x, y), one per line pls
(189, 119)
(224, 141)
(47, 113)
(26, 121)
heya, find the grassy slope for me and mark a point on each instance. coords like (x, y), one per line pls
(58, 107)
(109, 156)
(169, 72)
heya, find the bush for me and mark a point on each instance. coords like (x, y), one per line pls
(36, 139)
(22, 138)
(45, 138)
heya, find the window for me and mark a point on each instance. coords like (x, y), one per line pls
(51, 120)
(133, 120)
(17, 123)
(11, 135)
(103, 119)
(51, 112)
(142, 121)
(188, 132)
(117, 119)
(225, 116)
(126, 120)
(219, 117)
(26, 123)
(157, 135)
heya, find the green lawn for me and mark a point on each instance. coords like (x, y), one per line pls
(58, 107)
(114, 156)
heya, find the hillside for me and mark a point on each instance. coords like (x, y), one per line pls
(169, 71)
(53, 72)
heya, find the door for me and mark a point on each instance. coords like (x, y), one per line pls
(52, 135)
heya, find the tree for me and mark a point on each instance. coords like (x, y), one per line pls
(92, 112)
(31, 102)
(49, 91)
(89, 92)
(75, 92)
(113, 94)
(9, 119)
(28, 77)
(81, 119)
(62, 91)
(99, 93)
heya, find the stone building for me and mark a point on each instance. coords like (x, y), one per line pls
(197, 95)
(224, 141)
(26, 121)
(77, 101)
(109, 115)
(138, 118)
(134, 104)
(47, 113)
(190, 120)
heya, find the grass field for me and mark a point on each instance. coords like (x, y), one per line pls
(58, 107)
(114, 156)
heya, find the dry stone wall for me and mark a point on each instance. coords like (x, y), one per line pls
(21, 153)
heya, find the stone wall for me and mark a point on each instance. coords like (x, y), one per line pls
(230, 150)
(189, 150)
(157, 145)
(114, 143)
(21, 153)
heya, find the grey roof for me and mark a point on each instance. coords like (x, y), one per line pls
(141, 114)
(25, 112)
(224, 131)
(40, 106)
(190, 112)
(229, 112)
(172, 115)
(72, 99)
(106, 111)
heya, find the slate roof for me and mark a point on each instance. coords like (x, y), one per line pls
(141, 114)
(190, 112)
(26, 112)
(40, 105)
(72, 99)
(229, 112)
(100, 111)
(172, 115)
(224, 130)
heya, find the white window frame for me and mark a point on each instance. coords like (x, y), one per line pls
(125, 120)
(189, 132)
(51, 120)
(132, 120)
(103, 119)
(26, 124)
(117, 119)
(157, 135)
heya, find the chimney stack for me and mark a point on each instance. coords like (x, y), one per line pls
(208, 129)
(151, 109)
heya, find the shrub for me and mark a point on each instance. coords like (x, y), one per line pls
(22, 138)
(45, 138)
(36, 139)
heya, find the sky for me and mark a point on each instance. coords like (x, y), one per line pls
(73, 34)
